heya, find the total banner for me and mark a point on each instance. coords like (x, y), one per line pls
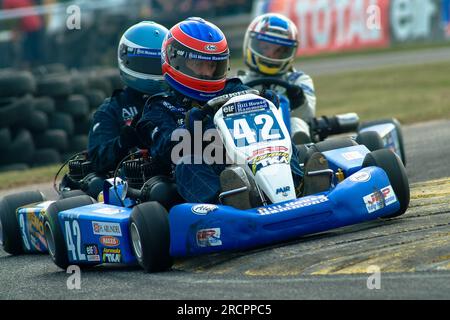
(343, 25)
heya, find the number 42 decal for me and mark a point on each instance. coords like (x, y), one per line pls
(75, 230)
(269, 131)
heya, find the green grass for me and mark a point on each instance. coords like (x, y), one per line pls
(12, 179)
(409, 93)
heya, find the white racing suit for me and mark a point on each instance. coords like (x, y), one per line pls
(301, 116)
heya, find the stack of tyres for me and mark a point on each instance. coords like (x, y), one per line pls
(46, 113)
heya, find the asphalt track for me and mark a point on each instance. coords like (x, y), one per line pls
(411, 252)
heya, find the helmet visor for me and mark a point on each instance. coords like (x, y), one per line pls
(143, 60)
(273, 48)
(196, 64)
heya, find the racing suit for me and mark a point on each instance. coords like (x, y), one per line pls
(166, 112)
(105, 146)
(303, 110)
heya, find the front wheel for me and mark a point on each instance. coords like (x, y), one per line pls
(9, 225)
(52, 229)
(370, 139)
(150, 236)
(395, 170)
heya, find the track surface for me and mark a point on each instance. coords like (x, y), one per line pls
(413, 253)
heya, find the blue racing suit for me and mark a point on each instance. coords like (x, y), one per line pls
(166, 112)
(122, 109)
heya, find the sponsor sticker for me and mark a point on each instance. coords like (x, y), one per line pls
(106, 229)
(296, 204)
(265, 160)
(111, 255)
(209, 237)
(109, 241)
(108, 211)
(211, 47)
(284, 191)
(379, 199)
(246, 106)
(360, 176)
(353, 155)
(92, 253)
(203, 209)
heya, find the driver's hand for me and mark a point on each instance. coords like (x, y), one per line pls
(194, 114)
(272, 96)
(296, 96)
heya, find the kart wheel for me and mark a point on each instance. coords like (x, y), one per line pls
(395, 170)
(330, 144)
(10, 229)
(398, 127)
(150, 237)
(52, 229)
(66, 194)
(371, 140)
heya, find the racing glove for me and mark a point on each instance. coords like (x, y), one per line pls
(296, 96)
(193, 115)
(128, 137)
(271, 96)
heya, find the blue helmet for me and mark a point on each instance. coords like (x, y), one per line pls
(139, 57)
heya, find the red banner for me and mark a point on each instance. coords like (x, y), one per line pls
(336, 25)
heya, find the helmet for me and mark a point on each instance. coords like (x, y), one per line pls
(270, 44)
(195, 59)
(139, 57)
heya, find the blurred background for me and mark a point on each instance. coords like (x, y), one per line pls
(58, 61)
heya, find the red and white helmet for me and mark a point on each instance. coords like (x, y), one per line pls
(270, 44)
(195, 59)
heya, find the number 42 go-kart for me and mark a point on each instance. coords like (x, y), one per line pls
(129, 226)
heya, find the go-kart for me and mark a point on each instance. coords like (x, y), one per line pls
(22, 214)
(364, 186)
(375, 135)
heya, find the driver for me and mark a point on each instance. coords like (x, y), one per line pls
(269, 49)
(112, 134)
(195, 63)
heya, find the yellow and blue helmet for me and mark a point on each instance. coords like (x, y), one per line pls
(270, 44)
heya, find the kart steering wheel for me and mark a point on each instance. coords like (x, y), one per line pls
(267, 82)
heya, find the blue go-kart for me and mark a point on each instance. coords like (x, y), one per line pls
(150, 225)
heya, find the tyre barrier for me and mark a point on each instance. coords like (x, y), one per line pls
(46, 113)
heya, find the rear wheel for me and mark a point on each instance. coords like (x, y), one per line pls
(9, 225)
(398, 128)
(150, 236)
(53, 232)
(371, 140)
(395, 170)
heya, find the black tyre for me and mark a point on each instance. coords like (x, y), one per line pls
(54, 86)
(54, 138)
(44, 157)
(10, 229)
(95, 98)
(100, 83)
(150, 236)
(53, 233)
(65, 194)
(62, 121)
(20, 150)
(13, 113)
(395, 170)
(35, 121)
(5, 138)
(370, 139)
(75, 105)
(330, 144)
(398, 127)
(78, 143)
(44, 104)
(16, 83)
